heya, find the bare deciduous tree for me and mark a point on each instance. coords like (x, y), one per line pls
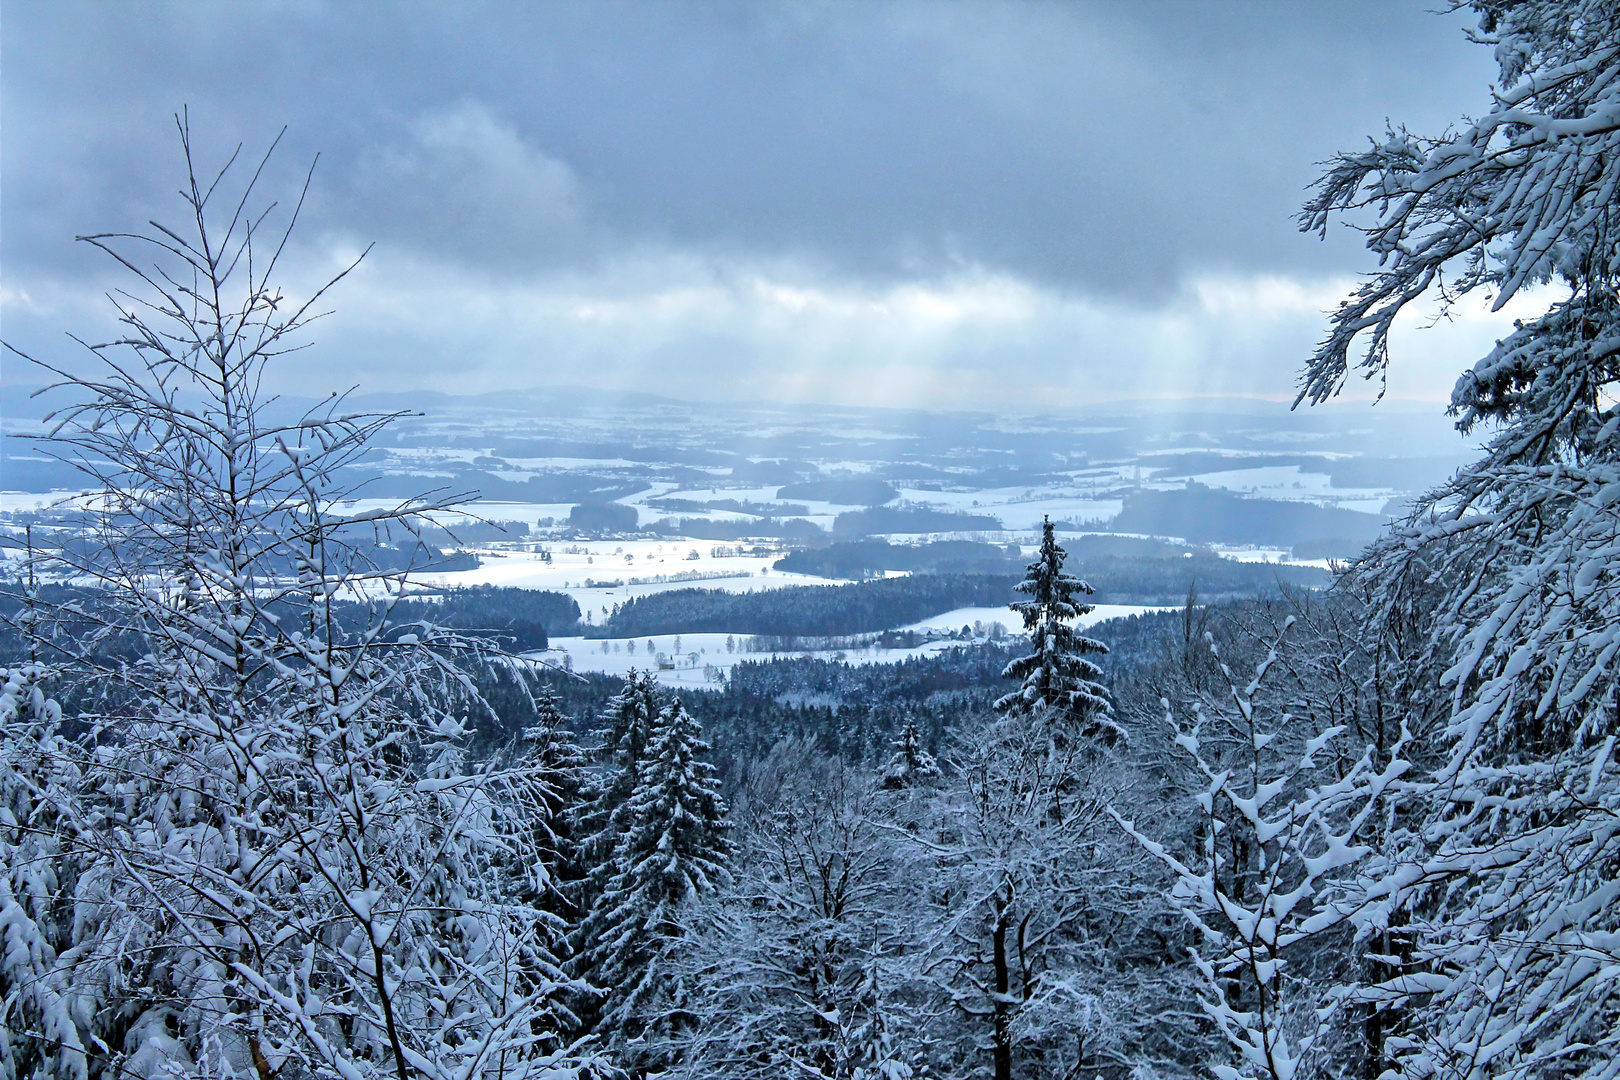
(283, 856)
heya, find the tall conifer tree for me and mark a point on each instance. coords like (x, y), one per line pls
(910, 764)
(626, 724)
(557, 768)
(1056, 675)
(601, 817)
(674, 845)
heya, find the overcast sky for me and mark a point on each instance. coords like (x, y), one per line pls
(956, 205)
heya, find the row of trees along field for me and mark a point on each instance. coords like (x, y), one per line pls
(811, 610)
(1122, 569)
(1370, 832)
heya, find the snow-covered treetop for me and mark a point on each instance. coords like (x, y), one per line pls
(1052, 593)
(1056, 674)
(911, 763)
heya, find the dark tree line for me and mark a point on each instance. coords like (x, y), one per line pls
(807, 610)
(1121, 570)
(855, 559)
(521, 619)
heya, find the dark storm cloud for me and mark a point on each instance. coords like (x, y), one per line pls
(1107, 148)
(1013, 205)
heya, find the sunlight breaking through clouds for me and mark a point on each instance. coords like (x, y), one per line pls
(977, 337)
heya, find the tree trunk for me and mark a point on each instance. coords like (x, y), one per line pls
(1002, 1049)
(1381, 1020)
(1373, 1031)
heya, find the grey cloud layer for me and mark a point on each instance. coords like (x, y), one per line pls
(1101, 152)
(1115, 146)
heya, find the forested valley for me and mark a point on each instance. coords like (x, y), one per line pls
(268, 809)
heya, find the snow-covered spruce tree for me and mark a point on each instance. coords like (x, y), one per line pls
(910, 764)
(1500, 877)
(283, 862)
(1057, 678)
(674, 846)
(39, 871)
(599, 816)
(555, 770)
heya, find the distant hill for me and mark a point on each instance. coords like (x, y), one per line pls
(870, 558)
(521, 619)
(1209, 515)
(908, 519)
(603, 517)
(808, 610)
(1123, 569)
(1399, 473)
(861, 491)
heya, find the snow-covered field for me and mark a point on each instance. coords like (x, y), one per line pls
(11, 501)
(482, 510)
(601, 573)
(955, 620)
(1019, 509)
(704, 660)
(708, 455)
(1252, 554)
(1288, 483)
(712, 662)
